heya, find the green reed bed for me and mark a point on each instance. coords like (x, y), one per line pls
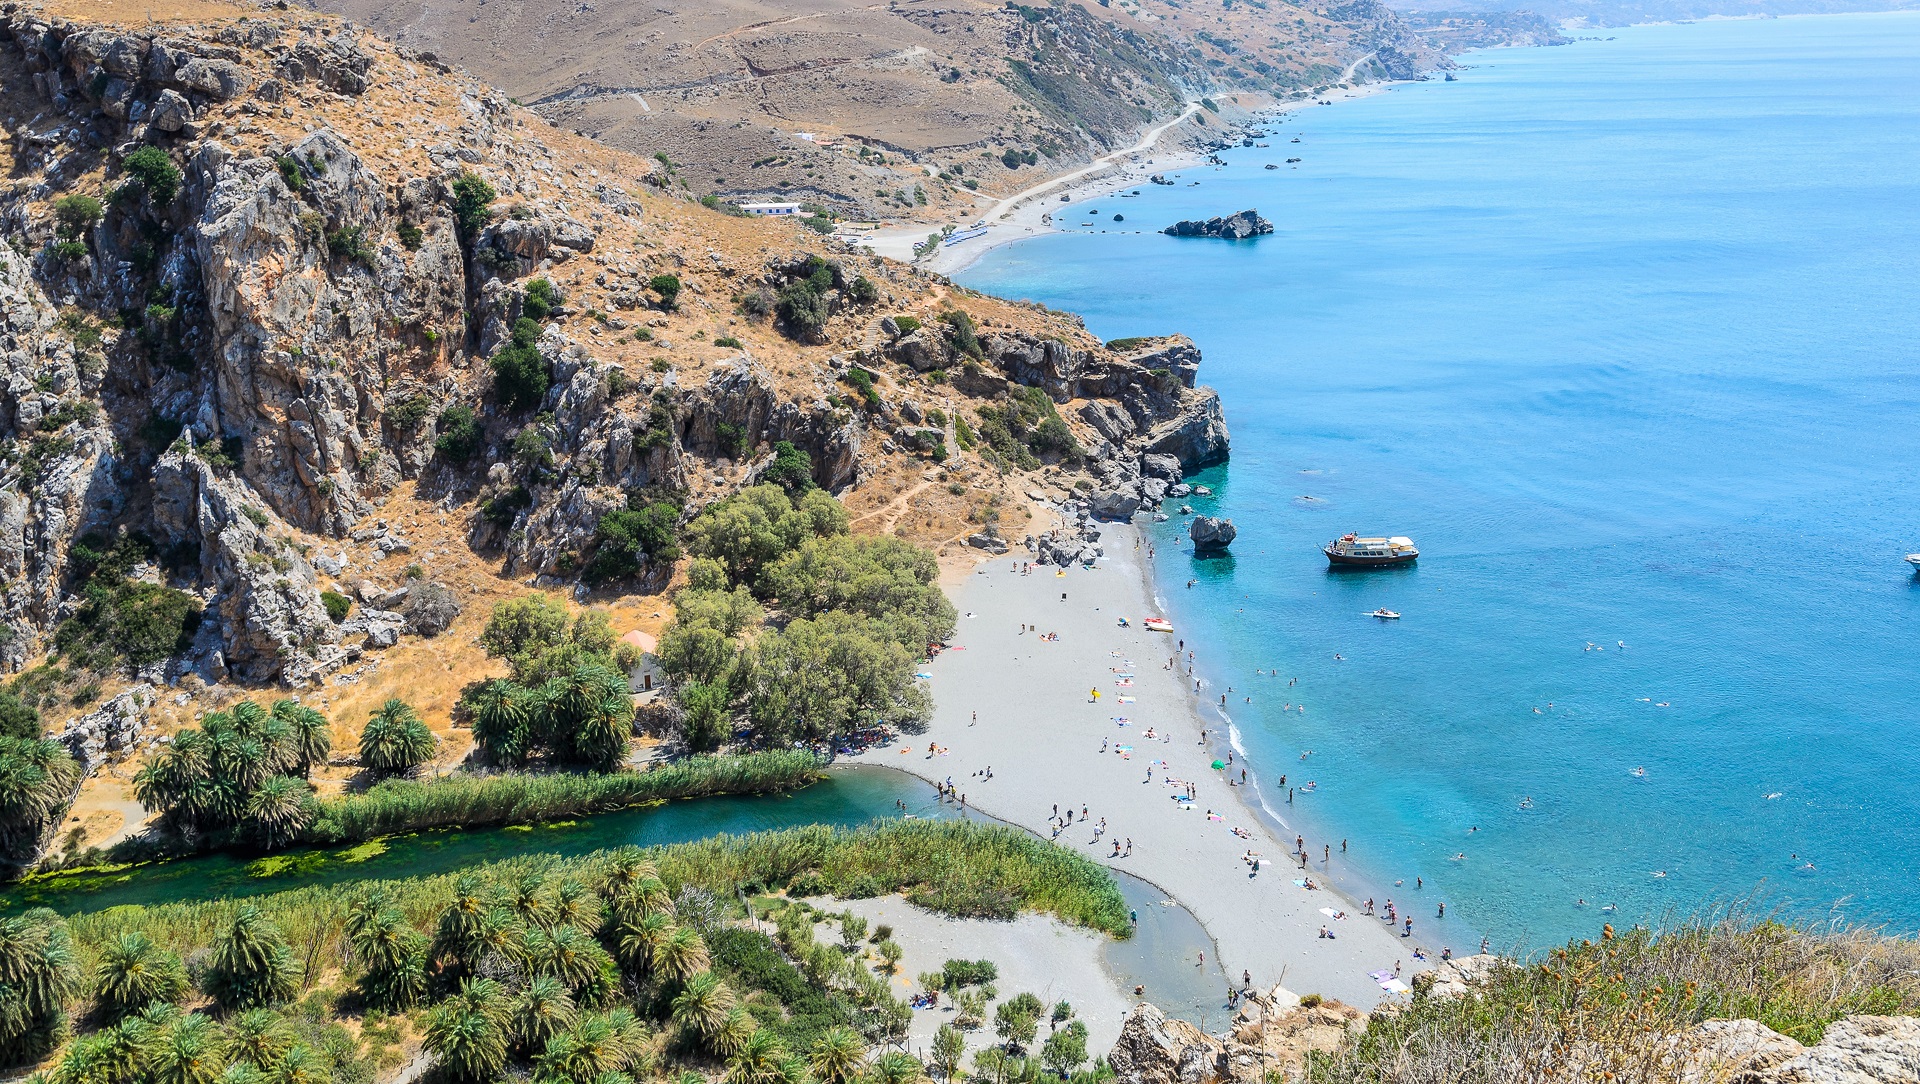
(955, 867)
(403, 805)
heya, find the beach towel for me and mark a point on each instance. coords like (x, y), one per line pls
(1329, 912)
(923, 675)
(1124, 683)
(1381, 975)
(1395, 986)
(1124, 700)
(1299, 882)
(1215, 817)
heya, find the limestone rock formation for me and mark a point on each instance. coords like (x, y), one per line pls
(1273, 1033)
(113, 729)
(1234, 227)
(1210, 534)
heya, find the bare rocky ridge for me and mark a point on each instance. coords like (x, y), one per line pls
(248, 374)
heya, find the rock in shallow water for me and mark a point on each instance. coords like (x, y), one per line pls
(1209, 533)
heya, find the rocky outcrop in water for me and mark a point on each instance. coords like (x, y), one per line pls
(1210, 534)
(1234, 227)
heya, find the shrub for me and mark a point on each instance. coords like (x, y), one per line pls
(337, 605)
(962, 333)
(290, 172)
(539, 300)
(17, 718)
(138, 623)
(411, 238)
(727, 341)
(802, 309)
(155, 173)
(907, 324)
(503, 508)
(520, 376)
(408, 415)
(668, 287)
(471, 196)
(1122, 346)
(643, 532)
(460, 437)
(349, 243)
(75, 214)
(791, 469)
(862, 382)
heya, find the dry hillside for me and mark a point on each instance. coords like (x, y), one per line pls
(250, 325)
(889, 110)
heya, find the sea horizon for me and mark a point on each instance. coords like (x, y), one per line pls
(1614, 331)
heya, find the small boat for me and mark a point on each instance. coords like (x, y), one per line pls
(1383, 613)
(1914, 559)
(1158, 624)
(1353, 550)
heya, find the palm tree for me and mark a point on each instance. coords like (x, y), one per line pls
(573, 905)
(134, 972)
(758, 1060)
(394, 953)
(279, 812)
(624, 868)
(529, 899)
(312, 737)
(702, 1006)
(301, 1064)
(258, 1037)
(176, 781)
(636, 940)
(459, 928)
(680, 954)
(566, 953)
(542, 1011)
(896, 1067)
(251, 964)
(597, 1045)
(395, 741)
(38, 972)
(36, 778)
(188, 1052)
(837, 1056)
(596, 705)
(733, 1031)
(467, 1034)
(502, 714)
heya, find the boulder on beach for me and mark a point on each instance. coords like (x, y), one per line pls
(1234, 227)
(1209, 533)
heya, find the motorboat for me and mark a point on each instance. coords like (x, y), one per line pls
(1352, 549)
(1914, 559)
(1384, 614)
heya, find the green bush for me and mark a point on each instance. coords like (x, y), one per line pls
(410, 412)
(1123, 346)
(962, 333)
(727, 341)
(907, 324)
(471, 197)
(862, 382)
(337, 605)
(17, 718)
(520, 376)
(668, 287)
(539, 299)
(291, 174)
(791, 469)
(349, 243)
(644, 531)
(155, 173)
(75, 214)
(127, 622)
(411, 237)
(460, 438)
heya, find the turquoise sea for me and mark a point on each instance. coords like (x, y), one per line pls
(1623, 334)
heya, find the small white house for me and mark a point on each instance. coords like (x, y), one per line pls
(646, 674)
(771, 208)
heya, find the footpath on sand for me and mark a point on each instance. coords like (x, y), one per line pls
(1021, 703)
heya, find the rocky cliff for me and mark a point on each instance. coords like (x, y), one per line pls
(267, 275)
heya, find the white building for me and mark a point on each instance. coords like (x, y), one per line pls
(771, 208)
(646, 674)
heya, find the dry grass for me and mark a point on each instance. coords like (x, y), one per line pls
(1609, 1009)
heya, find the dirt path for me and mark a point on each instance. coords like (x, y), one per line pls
(893, 509)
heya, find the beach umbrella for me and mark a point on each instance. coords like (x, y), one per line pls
(1219, 764)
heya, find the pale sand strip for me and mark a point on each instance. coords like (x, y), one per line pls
(1041, 735)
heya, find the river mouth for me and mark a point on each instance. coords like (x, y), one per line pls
(1160, 956)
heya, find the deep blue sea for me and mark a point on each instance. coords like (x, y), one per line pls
(1626, 335)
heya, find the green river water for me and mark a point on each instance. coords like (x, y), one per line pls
(1158, 956)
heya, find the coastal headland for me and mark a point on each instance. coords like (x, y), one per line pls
(1015, 694)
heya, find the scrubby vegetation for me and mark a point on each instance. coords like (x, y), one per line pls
(1618, 1002)
(1022, 428)
(622, 965)
(122, 621)
(241, 772)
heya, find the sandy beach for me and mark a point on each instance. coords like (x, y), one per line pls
(1023, 706)
(1028, 213)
